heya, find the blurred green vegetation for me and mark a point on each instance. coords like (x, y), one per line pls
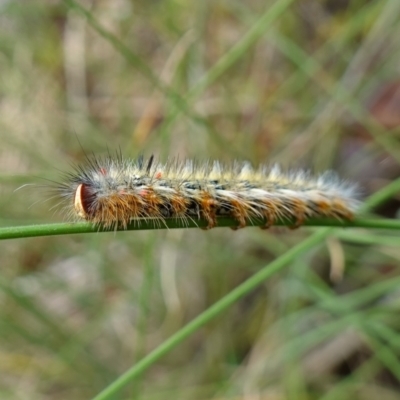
(306, 83)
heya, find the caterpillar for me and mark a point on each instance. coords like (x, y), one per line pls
(113, 192)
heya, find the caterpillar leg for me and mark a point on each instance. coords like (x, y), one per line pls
(340, 209)
(299, 213)
(270, 212)
(239, 213)
(208, 211)
(153, 204)
(178, 206)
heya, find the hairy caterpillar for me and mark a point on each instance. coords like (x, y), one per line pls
(113, 192)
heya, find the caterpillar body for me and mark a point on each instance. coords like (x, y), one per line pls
(113, 192)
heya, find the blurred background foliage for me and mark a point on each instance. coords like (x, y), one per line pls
(306, 83)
